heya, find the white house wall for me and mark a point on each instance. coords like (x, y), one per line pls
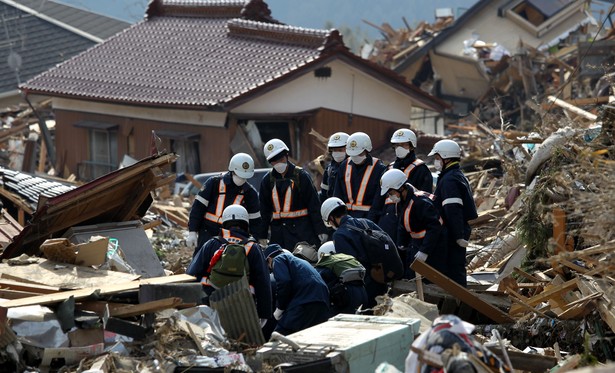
(194, 117)
(347, 90)
(490, 28)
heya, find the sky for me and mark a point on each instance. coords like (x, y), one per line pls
(312, 13)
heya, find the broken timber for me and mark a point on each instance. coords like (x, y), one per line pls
(460, 293)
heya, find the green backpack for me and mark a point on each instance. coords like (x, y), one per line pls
(229, 264)
(345, 267)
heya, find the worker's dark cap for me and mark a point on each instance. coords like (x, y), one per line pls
(273, 250)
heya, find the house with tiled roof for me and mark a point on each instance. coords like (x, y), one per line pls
(212, 78)
(37, 35)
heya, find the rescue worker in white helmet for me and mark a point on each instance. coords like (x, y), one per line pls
(403, 141)
(345, 278)
(420, 228)
(336, 147)
(289, 201)
(235, 230)
(454, 199)
(217, 193)
(358, 179)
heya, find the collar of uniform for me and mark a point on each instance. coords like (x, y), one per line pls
(235, 232)
(450, 166)
(404, 162)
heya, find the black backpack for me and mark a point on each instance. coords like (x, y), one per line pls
(381, 253)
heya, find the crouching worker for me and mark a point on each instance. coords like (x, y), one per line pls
(302, 298)
(230, 256)
(344, 277)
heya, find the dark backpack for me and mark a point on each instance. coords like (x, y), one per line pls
(229, 263)
(381, 253)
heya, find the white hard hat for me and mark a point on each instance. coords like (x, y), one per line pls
(402, 136)
(392, 179)
(328, 206)
(446, 149)
(326, 248)
(242, 165)
(235, 212)
(337, 140)
(357, 142)
(274, 147)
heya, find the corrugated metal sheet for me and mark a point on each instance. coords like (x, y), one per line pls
(237, 312)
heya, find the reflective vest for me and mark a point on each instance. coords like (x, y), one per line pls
(407, 172)
(406, 218)
(357, 204)
(283, 210)
(217, 214)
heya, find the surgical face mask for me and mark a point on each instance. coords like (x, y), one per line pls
(438, 164)
(239, 181)
(401, 152)
(338, 156)
(280, 167)
(394, 198)
(358, 159)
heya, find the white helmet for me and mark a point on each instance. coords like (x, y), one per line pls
(402, 136)
(337, 140)
(235, 212)
(274, 147)
(326, 249)
(357, 142)
(328, 206)
(242, 165)
(446, 149)
(392, 179)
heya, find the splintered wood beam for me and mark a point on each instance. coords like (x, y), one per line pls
(571, 108)
(546, 294)
(460, 292)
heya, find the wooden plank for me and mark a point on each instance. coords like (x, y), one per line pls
(521, 272)
(604, 305)
(147, 307)
(548, 293)
(526, 362)
(559, 230)
(573, 109)
(16, 294)
(16, 285)
(100, 290)
(460, 293)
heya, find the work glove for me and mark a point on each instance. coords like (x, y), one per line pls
(461, 242)
(323, 237)
(263, 242)
(420, 256)
(191, 240)
(277, 314)
(263, 322)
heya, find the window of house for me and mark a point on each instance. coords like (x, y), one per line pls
(186, 146)
(102, 155)
(537, 16)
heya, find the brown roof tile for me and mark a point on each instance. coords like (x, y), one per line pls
(193, 53)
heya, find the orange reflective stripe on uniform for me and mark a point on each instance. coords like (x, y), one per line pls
(215, 217)
(415, 235)
(412, 166)
(358, 204)
(283, 211)
(348, 181)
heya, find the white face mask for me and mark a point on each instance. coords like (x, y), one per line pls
(438, 164)
(338, 156)
(239, 181)
(280, 167)
(401, 152)
(394, 198)
(358, 159)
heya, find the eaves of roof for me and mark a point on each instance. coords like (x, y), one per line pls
(341, 53)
